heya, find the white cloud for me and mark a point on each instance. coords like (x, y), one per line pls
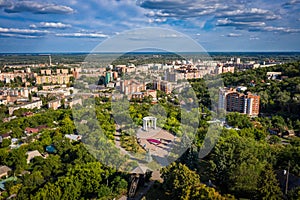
(54, 25)
(82, 35)
(249, 14)
(281, 29)
(253, 38)
(22, 31)
(37, 8)
(157, 20)
(234, 35)
(32, 26)
(291, 3)
(19, 36)
(227, 22)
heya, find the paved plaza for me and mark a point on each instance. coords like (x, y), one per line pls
(160, 151)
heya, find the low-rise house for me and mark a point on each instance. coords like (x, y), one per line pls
(14, 143)
(32, 154)
(288, 133)
(14, 140)
(6, 136)
(37, 129)
(4, 170)
(274, 75)
(8, 119)
(73, 137)
(29, 131)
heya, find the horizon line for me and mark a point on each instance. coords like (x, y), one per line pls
(139, 52)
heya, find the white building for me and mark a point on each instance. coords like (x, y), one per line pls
(31, 105)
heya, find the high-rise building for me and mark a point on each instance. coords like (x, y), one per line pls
(233, 101)
(107, 77)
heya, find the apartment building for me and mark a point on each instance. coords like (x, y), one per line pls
(29, 105)
(164, 86)
(55, 79)
(131, 86)
(233, 101)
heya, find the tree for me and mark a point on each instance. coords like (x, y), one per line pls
(67, 126)
(5, 143)
(17, 159)
(268, 186)
(294, 194)
(283, 97)
(236, 163)
(183, 183)
(49, 191)
(274, 139)
(238, 120)
(278, 122)
(264, 98)
(120, 185)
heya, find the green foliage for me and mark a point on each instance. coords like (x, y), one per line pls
(236, 163)
(274, 139)
(3, 112)
(5, 143)
(67, 126)
(238, 120)
(268, 185)
(182, 183)
(292, 154)
(294, 194)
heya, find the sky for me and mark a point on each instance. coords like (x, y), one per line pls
(79, 26)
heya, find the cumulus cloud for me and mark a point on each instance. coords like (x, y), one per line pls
(248, 14)
(82, 35)
(58, 25)
(240, 14)
(181, 9)
(36, 7)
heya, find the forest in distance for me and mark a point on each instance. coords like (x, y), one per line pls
(71, 58)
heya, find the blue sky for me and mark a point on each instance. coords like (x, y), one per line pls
(79, 26)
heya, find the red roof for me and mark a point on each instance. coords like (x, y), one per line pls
(5, 135)
(35, 130)
(31, 130)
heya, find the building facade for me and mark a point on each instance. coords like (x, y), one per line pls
(233, 101)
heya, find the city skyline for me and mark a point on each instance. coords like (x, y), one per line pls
(74, 26)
